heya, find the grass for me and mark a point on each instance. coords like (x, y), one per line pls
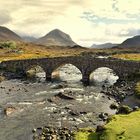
(124, 127)
(29, 50)
(121, 127)
(22, 50)
(128, 56)
(84, 134)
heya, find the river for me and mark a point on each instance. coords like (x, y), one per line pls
(38, 103)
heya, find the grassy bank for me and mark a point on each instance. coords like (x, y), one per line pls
(121, 127)
(128, 56)
(22, 50)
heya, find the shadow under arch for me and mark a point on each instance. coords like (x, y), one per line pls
(103, 75)
(35, 71)
(66, 72)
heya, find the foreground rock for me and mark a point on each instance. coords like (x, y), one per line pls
(120, 90)
(10, 110)
(64, 96)
(50, 133)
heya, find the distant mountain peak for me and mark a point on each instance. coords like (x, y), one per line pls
(8, 35)
(131, 42)
(56, 37)
(103, 46)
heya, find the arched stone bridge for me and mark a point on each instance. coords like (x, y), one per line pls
(86, 64)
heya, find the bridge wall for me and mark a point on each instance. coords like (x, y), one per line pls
(86, 65)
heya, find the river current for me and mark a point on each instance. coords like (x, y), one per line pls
(38, 103)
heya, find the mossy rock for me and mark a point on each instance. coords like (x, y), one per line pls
(137, 90)
(2, 78)
(124, 110)
(31, 74)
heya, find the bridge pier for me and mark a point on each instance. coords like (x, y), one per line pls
(48, 77)
(85, 80)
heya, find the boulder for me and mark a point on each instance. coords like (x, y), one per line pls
(9, 110)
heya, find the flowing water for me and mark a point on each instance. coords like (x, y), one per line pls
(37, 103)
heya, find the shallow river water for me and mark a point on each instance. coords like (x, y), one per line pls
(38, 104)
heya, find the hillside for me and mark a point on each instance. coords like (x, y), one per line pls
(102, 46)
(133, 42)
(6, 35)
(56, 38)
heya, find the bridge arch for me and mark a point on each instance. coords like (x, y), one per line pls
(35, 70)
(67, 72)
(103, 75)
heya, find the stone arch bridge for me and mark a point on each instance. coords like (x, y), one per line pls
(86, 65)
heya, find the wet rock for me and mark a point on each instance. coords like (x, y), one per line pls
(100, 128)
(124, 110)
(74, 113)
(83, 112)
(103, 116)
(114, 106)
(9, 110)
(54, 134)
(52, 99)
(34, 130)
(59, 86)
(135, 108)
(64, 96)
(2, 87)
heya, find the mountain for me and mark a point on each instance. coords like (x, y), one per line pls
(133, 42)
(56, 38)
(7, 35)
(102, 46)
(28, 38)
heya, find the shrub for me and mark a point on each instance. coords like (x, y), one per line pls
(8, 44)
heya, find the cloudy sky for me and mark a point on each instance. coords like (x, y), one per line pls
(86, 21)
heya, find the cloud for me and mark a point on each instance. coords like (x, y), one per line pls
(5, 18)
(87, 21)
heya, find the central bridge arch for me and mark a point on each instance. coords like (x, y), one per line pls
(67, 72)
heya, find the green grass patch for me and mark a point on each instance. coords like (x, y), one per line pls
(123, 127)
(86, 134)
(120, 127)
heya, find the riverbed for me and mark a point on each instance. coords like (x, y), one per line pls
(39, 103)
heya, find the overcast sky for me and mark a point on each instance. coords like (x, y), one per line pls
(86, 21)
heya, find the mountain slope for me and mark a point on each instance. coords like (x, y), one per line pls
(56, 38)
(131, 42)
(102, 46)
(28, 38)
(7, 35)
